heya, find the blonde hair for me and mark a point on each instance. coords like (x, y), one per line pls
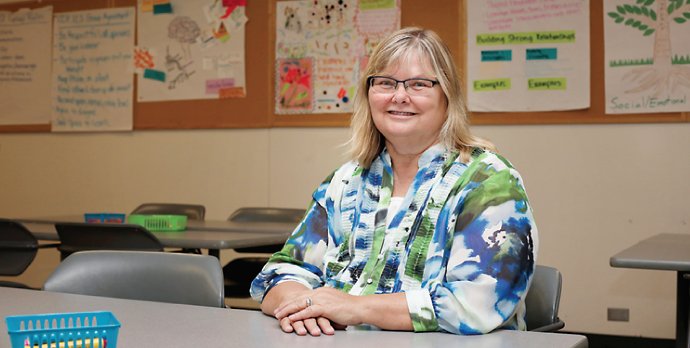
(366, 142)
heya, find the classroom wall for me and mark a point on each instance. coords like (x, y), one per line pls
(595, 190)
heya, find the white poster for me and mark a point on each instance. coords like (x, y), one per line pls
(647, 56)
(190, 49)
(528, 55)
(322, 47)
(92, 70)
(25, 66)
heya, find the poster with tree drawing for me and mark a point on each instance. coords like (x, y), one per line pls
(320, 46)
(647, 56)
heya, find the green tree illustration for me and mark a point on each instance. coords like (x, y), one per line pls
(656, 17)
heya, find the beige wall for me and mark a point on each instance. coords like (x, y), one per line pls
(595, 190)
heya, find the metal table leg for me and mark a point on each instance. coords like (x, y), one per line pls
(214, 252)
(682, 309)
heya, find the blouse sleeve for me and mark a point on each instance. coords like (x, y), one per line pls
(490, 260)
(301, 259)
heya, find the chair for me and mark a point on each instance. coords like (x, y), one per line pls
(240, 272)
(191, 211)
(135, 275)
(18, 248)
(80, 236)
(542, 300)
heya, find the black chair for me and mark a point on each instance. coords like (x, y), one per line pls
(135, 275)
(240, 272)
(18, 248)
(543, 299)
(191, 211)
(80, 236)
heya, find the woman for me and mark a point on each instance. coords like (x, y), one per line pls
(425, 229)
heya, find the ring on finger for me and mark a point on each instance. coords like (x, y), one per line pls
(309, 302)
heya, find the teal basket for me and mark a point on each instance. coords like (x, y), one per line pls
(75, 328)
(104, 217)
(160, 222)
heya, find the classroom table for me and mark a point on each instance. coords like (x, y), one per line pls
(198, 234)
(666, 252)
(155, 324)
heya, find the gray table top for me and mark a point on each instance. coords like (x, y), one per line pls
(153, 324)
(669, 252)
(209, 234)
(192, 225)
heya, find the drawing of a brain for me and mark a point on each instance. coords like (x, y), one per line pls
(183, 29)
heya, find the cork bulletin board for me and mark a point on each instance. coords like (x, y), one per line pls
(257, 110)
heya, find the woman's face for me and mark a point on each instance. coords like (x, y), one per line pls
(408, 121)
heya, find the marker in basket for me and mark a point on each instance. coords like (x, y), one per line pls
(70, 344)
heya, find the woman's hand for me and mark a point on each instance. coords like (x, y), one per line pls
(286, 292)
(333, 309)
(313, 326)
(335, 306)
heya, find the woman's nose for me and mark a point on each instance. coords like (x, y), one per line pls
(400, 94)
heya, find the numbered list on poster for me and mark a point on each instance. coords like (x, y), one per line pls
(92, 70)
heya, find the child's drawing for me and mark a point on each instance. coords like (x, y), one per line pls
(294, 85)
(292, 20)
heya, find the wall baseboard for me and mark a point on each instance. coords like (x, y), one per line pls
(611, 341)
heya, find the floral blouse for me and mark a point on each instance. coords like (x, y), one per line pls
(462, 247)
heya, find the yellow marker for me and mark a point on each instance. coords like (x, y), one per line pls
(80, 343)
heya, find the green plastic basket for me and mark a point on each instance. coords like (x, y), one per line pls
(160, 222)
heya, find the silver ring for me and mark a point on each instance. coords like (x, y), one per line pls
(309, 303)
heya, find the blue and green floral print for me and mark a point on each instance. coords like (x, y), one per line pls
(462, 247)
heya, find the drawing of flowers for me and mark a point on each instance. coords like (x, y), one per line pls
(295, 80)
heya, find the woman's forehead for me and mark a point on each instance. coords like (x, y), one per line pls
(406, 63)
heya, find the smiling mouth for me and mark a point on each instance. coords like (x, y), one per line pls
(400, 113)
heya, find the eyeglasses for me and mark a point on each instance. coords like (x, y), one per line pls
(387, 85)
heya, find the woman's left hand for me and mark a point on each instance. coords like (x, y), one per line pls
(341, 308)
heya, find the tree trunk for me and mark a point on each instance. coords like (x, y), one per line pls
(662, 36)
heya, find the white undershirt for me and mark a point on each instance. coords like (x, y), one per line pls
(393, 208)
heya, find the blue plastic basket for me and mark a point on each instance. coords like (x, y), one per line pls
(104, 217)
(40, 329)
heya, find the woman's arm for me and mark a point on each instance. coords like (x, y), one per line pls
(490, 257)
(279, 294)
(385, 311)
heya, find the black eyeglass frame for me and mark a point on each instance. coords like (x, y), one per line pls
(404, 82)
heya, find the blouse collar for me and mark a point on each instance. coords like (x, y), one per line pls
(429, 155)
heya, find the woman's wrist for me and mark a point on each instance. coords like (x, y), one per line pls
(278, 294)
(385, 311)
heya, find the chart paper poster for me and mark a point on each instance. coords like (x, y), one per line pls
(647, 56)
(322, 47)
(92, 76)
(25, 66)
(190, 49)
(528, 55)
